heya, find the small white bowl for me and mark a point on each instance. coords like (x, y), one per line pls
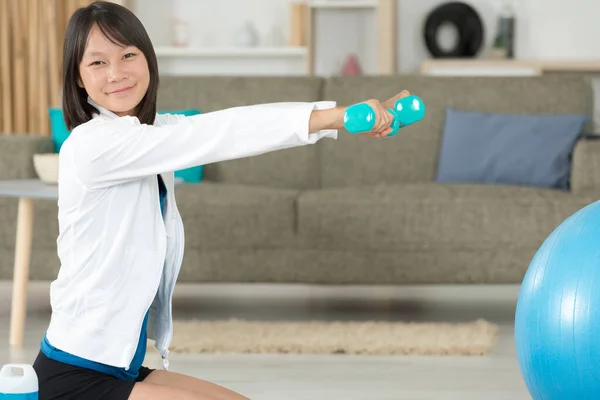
(46, 167)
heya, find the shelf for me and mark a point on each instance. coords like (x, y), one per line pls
(343, 4)
(230, 51)
(256, 61)
(384, 12)
(534, 66)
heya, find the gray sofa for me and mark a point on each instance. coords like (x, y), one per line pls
(351, 211)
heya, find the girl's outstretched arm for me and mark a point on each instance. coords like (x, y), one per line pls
(111, 150)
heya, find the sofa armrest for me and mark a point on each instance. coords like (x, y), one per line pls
(16, 154)
(585, 174)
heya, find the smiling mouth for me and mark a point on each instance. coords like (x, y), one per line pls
(123, 90)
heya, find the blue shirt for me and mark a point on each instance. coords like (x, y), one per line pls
(125, 374)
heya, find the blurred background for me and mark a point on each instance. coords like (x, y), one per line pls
(435, 227)
(315, 37)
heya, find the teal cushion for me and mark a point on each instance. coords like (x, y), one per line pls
(187, 113)
(60, 133)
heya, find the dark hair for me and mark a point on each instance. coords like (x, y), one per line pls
(121, 27)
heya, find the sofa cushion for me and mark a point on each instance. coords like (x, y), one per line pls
(433, 216)
(355, 266)
(45, 222)
(532, 150)
(44, 258)
(236, 216)
(215, 93)
(44, 266)
(16, 154)
(412, 155)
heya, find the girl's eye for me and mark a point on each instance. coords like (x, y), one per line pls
(96, 63)
(129, 55)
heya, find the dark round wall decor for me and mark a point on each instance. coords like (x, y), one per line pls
(467, 23)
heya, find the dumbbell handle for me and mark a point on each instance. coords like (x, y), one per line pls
(361, 117)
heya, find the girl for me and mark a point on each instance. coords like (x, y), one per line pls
(121, 236)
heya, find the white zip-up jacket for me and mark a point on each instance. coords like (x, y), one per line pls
(118, 255)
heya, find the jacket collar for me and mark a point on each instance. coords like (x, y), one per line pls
(106, 113)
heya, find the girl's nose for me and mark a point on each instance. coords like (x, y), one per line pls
(116, 73)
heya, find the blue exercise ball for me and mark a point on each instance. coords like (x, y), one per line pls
(557, 318)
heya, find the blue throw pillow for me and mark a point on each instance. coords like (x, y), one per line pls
(528, 150)
(60, 133)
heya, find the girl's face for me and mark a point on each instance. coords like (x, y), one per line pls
(114, 77)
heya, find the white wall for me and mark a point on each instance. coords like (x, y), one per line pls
(546, 29)
(562, 29)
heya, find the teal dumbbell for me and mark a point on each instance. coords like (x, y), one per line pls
(361, 117)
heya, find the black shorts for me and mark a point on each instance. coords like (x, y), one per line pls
(60, 381)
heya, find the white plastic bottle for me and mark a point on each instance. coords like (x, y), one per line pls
(18, 386)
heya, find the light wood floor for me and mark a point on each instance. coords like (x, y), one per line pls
(276, 377)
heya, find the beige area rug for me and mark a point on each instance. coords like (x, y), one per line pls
(317, 337)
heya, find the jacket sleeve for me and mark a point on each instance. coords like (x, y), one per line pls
(109, 152)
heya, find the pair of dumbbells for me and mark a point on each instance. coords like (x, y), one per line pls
(361, 117)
